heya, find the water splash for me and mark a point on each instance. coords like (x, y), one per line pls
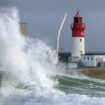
(22, 61)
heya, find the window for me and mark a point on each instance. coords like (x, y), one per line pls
(80, 40)
(91, 58)
(78, 20)
(87, 58)
(84, 58)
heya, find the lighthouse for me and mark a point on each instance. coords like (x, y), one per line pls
(78, 40)
(78, 58)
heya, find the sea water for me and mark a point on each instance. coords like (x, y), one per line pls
(28, 76)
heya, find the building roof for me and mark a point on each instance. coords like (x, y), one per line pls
(95, 53)
(87, 53)
(65, 53)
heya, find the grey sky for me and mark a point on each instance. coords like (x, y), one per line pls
(44, 18)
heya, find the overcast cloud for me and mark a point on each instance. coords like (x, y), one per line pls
(44, 18)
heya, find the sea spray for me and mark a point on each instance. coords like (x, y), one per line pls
(21, 60)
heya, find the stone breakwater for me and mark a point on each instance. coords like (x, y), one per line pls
(98, 73)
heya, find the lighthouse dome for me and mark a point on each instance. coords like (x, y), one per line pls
(77, 14)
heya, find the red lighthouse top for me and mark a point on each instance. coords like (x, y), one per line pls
(78, 14)
(78, 26)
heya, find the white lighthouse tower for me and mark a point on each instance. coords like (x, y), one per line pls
(78, 41)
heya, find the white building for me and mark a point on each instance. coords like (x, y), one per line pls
(93, 59)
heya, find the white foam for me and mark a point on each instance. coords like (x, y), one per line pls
(22, 60)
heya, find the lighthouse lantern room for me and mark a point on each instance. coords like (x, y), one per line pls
(78, 42)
